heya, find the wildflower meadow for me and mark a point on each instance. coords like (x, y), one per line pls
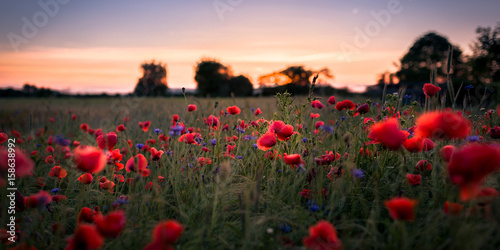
(283, 172)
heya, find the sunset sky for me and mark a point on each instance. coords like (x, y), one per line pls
(94, 45)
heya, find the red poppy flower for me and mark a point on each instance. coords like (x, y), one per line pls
(446, 152)
(318, 124)
(428, 144)
(3, 137)
(365, 108)
(49, 159)
(285, 133)
(112, 224)
(204, 161)
(414, 145)
(322, 236)
(58, 198)
(293, 160)
(469, 166)
(145, 125)
(257, 112)
(156, 154)
(326, 159)
(282, 130)
(23, 164)
(233, 110)
(40, 199)
(423, 165)
(58, 171)
(441, 125)
(86, 237)
(495, 132)
(313, 115)
(189, 138)
(84, 127)
(401, 208)
(167, 232)
(317, 104)
(452, 208)
(89, 159)
(430, 89)
(414, 179)
(120, 128)
(138, 164)
(388, 134)
(85, 178)
(348, 104)
(191, 108)
(87, 215)
(212, 121)
(331, 100)
(107, 141)
(106, 184)
(276, 126)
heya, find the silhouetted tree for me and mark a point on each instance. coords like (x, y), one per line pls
(427, 53)
(153, 82)
(296, 75)
(485, 60)
(215, 79)
(240, 86)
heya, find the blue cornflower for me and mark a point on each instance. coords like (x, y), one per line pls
(285, 227)
(469, 87)
(239, 157)
(255, 145)
(176, 130)
(213, 141)
(157, 131)
(328, 129)
(305, 139)
(313, 207)
(38, 145)
(55, 190)
(343, 118)
(407, 96)
(358, 173)
(139, 145)
(474, 138)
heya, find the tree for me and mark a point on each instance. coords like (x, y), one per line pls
(296, 75)
(241, 86)
(153, 81)
(485, 60)
(430, 52)
(215, 79)
(212, 78)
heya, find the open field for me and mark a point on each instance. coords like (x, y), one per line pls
(241, 198)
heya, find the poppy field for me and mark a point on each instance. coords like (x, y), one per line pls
(309, 172)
